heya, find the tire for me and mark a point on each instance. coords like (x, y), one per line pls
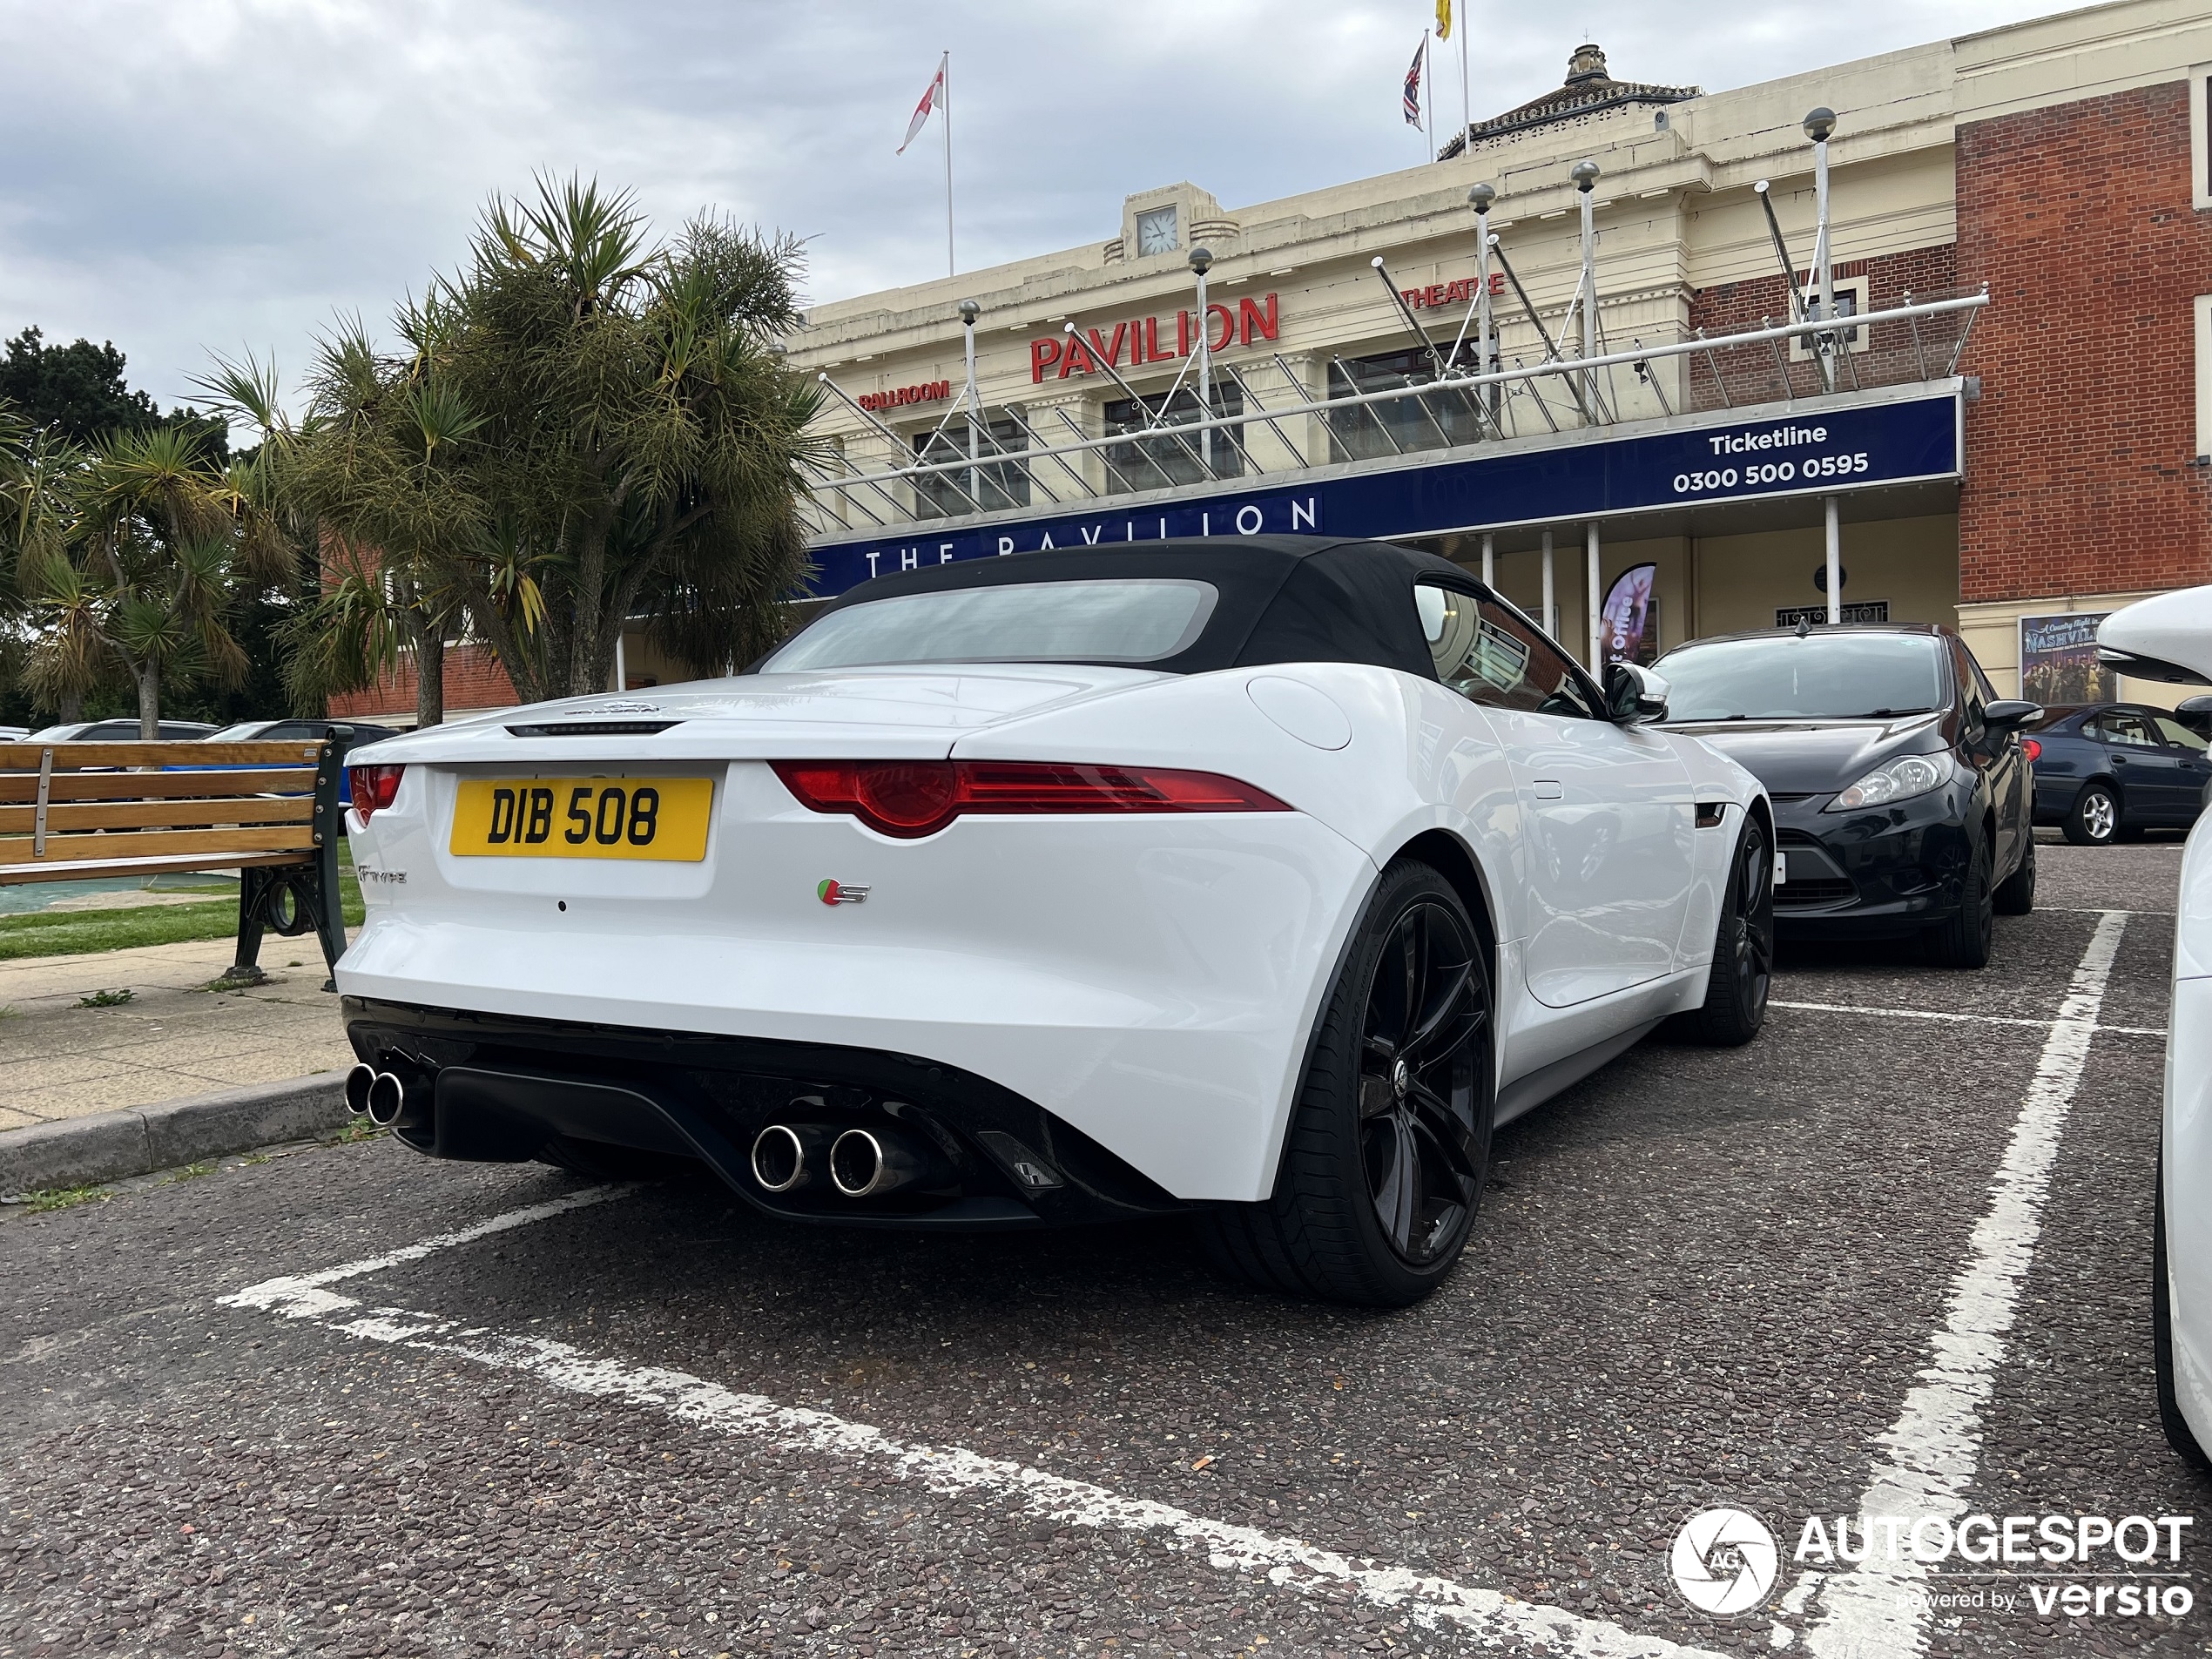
(2179, 1435)
(1735, 993)
(2016, 894)
(2095, 817)
(1384, 1161)
(1964, 939)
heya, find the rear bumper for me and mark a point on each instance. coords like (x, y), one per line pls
(1149, 982)
(1882, 874)
(492, 1088)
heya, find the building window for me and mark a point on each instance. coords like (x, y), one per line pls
(1160, 461)
(2200, 139)
(1851, 301)
(2204, 374)
(996, 484)
(1435, 421)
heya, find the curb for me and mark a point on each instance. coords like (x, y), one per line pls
(114, 1146)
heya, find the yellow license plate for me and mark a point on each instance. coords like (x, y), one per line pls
(584, 817)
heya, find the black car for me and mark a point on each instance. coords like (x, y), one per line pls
(2111, 770)
(1902, 797)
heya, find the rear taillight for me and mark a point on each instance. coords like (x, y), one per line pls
(910, 799)
(374, 788)
(2031, 748)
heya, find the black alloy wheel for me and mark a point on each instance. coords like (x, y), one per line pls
(1417, 1081)
(1388, 1145)
(2016, 894)
(1743, 976)
(2095, 818)
(1964, 939)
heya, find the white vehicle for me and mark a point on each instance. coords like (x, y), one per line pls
(1262, 876)
(2170, 639)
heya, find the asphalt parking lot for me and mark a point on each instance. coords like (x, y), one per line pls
(1906, 1233)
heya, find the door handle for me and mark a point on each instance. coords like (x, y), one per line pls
(1548, 789)
(2120, 760)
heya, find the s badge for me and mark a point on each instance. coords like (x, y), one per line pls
(840, 892)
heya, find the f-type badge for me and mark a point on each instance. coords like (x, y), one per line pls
(840, 892)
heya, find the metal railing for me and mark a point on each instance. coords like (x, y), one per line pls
(1920, 340)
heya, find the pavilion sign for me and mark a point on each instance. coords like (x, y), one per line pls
(1138, 340)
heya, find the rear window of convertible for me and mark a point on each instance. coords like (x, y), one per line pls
(1136, 622)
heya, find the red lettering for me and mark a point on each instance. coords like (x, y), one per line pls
(1105, 353)
(1079, 359)
(1497, 281)
(1412, 297)
(1436, 293)
(1253, 323)
(1182, 333)
(1044, 353)
(1152, 352)
(1228, 327)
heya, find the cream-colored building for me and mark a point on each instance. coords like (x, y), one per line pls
(1942, 160)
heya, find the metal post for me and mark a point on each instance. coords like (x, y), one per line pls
(1597, 624)
(1834, 561)
(1819, 124)
(1551, 590)
(622, 667)
(1489, 560)
(968, 312)
(1201, 260)
(1584, 174)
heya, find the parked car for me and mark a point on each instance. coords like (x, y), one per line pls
(2171, 635)
(2111, 770)
(14, 733)
(354, 733)
(1900, 791)
(1260, 876)
(120, 731)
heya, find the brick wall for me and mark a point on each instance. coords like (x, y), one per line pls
(2079, 474)
(473, 680)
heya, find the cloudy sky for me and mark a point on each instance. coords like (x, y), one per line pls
(189, 175)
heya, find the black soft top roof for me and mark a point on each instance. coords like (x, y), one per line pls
(1283, 598)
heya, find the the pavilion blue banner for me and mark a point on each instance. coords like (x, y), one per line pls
(1720, 460)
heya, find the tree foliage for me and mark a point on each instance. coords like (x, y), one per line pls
(582, 426)
(129, 558)
(78, 392)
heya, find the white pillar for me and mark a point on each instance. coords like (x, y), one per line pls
(1597, 626)
(1835, 563)
(1551, 600)
(1489, 560)
(622, 672)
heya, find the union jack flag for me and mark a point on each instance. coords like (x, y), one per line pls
(1413, 83)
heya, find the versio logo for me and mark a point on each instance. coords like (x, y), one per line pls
(1724, 1561)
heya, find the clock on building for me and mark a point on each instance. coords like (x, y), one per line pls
(1156, 230)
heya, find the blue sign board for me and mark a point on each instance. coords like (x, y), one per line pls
(1725, 459)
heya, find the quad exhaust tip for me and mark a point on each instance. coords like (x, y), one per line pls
(357, 1085)
(864, 1163)
(386, 1097)
(780, 1156)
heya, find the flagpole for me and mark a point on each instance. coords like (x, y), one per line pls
(1467, 112)
(1428, 91)
(944, 74)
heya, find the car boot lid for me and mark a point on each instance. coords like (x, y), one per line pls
(888, 713)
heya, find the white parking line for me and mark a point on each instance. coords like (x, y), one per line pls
(1486, 1615)
(1932, 1452)
(1973, 1019)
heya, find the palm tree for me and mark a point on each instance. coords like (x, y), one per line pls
(584, 427)
(165, 545)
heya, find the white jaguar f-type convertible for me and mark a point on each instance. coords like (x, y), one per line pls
(1260, 877)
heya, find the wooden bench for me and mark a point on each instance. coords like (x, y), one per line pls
(82, 811)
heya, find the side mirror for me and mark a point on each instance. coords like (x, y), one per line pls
(2195, 714)
(1634, 695)
(2008, 714)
